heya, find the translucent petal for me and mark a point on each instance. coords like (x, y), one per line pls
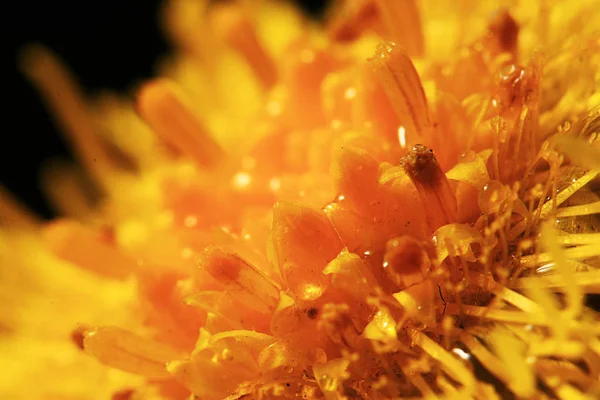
(304, 242)
(129, 352)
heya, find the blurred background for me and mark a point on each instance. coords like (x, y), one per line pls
(109, 44)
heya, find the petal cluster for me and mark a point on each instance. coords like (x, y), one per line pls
(401, 201)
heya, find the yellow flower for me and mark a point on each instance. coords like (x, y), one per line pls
(400, 202)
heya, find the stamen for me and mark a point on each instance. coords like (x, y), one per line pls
(63, 97)
(587, 154)
(516, 299)
(434, 190)
(352, 19)
(78, 336)
(511, 352)
(125, 394)
(566, 370)
(505, 32)
(564, 195)
(568, 349)
(574, 253)
(588, 281)
(580, 239)
(184, 23)
(451, 365)
(498, 315)
(575, 211)
(416, 379)
(167, 112)
(563, 391)
(231, 23)
(486, 357)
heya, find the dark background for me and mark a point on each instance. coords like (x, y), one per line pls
(108, 44)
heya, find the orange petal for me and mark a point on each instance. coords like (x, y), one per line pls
(228, 360)
(355, 176)
(403, 22)
(129, 352)
(208, 379)
(467, 196)
(241, 279)
(357, 233)
(353, 18)
(303, 72)
(297, 322)
(176, 322)
(167, 112)
(303, 242)
(86, 248)
(376, 109)
(339, 95)
(402, 83)
(451, 119)
(230, 23)
(228, 310)
(350, 273)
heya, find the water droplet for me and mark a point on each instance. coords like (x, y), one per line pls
(241, 180)
(402, 136)
(350, 93)
(275, 184)
(461, 353)
(186, 253)
(226, 355)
